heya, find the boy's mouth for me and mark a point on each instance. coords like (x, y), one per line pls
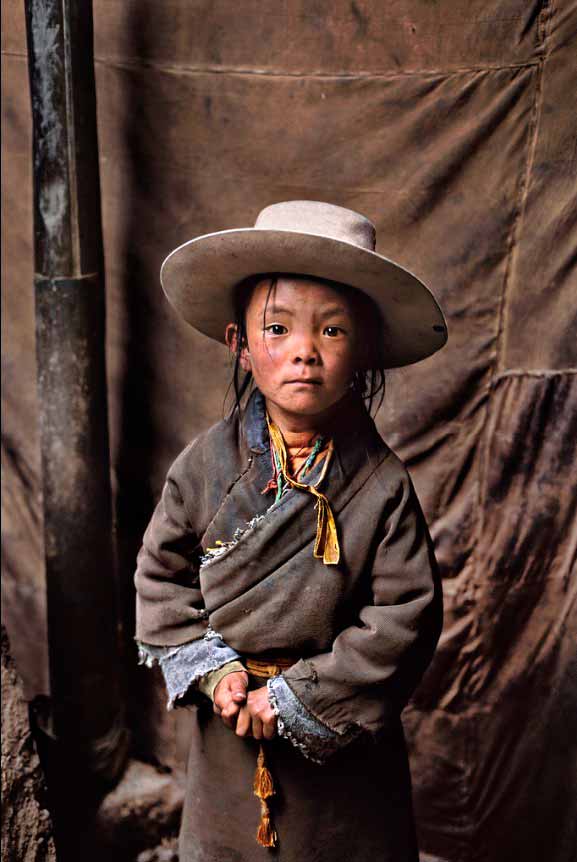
(305, 381)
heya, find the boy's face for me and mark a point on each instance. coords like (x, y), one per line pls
(302, 340)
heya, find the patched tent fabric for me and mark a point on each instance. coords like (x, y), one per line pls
(452, 126)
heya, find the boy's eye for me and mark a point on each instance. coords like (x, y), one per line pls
(276, 329)
(332, 331)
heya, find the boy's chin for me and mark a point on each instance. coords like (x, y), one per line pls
(306, 404)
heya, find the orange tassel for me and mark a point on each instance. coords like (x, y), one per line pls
(263, 787)
(265, 834)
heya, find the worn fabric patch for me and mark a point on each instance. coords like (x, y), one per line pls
(183, 666)
(294, 722)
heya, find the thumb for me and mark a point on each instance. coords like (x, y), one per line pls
(239, 688)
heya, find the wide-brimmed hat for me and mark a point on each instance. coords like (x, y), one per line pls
(306, 238)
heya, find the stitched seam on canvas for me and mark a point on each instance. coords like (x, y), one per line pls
(169, 69)
(535, 373)
(486, 430)
(523, 185)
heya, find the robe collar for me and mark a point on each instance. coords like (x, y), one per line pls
(352, 423)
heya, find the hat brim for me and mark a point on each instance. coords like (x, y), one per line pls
(199, 277)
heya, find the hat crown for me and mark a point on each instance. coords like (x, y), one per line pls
(319, 218)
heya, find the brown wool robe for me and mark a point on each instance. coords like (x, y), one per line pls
(362, 633)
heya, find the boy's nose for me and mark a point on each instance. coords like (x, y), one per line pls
(306, 354)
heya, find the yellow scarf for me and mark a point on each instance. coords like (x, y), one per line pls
(327, 542)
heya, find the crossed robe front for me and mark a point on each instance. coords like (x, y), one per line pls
(361, 634)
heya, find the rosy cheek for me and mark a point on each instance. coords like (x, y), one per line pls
(267, 354)
(341, 354)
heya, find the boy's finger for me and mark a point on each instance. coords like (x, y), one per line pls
(231, 709)
(257, 730)
(243, 723)
(239, 696)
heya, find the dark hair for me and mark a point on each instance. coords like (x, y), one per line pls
(368, 379)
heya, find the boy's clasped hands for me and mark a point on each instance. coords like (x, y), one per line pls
(248, 713)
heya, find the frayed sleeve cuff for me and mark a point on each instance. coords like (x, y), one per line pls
(183, 666)
(315, 740)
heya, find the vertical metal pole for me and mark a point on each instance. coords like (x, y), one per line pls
(83, 620)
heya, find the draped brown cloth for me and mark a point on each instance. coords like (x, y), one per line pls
(452, 126)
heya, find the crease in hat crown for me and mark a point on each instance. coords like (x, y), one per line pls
(322, 219)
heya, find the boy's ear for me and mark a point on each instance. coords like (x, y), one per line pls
(231, 338)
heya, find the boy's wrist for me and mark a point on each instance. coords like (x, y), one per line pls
(208, 683)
